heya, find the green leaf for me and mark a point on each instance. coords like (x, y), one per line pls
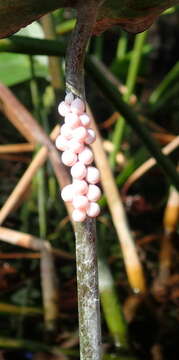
(21, 63)
(22, 71)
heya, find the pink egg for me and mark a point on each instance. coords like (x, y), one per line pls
(61, 143)
(69, 158)
(66, 131)
(80, 187)
(78, 171)
(69, 98)
(93, 209)
(67, 193)
(80, 133)
(85, 120)
(77, 106)
(93, 175)
(75, 146)
(63, 108)
(91, 136)
(80, 202)
(72, 120)
(86, 156)
(94, 193)
(78, 215)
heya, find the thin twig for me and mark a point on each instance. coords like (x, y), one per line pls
(28, 241)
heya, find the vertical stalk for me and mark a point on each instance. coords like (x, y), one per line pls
(122, 46)
(88, 293)
(55, 70)
(130, 84)
(85, 232)
(54, 62)
(111, 307)
(49, 283)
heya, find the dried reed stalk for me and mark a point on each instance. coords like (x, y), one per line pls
(16, 148)
(132, 262)
(28, 241)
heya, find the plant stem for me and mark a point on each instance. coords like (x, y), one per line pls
(87, 272)
(130, 84)
(55, 67)
(171, 76)
(122, 46)
(111, 306)
(131, 259)
(88, 294)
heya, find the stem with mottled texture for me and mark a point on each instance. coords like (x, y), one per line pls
(85, 232)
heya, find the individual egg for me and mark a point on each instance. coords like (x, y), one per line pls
(77, 106)
(63, 108)
(75, 146)
(69, 98)
(67, 193)
(93, 175)
(94, 193)
(91, 137)
(78, 215)
(80, 187)
(93, 209)
(78, 171)
(80, 133)
(85, 120)
(66, 131)
(61, 143)
(72, 120)
(86, 156)
(80, 202)
(69, 158)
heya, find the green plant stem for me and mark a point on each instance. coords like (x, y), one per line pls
(111, 307)
(98, 49)
(32, 46)
(41, 172)
(130, 84)
(165, 83)
(170, 93)
(135, 64)
(122, 46)
(49, 283)
(65, 26)
(26, 45)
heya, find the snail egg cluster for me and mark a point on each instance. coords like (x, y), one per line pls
(74, 140)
